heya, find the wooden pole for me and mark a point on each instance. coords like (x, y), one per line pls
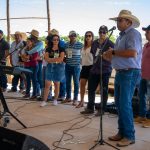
(48, 15)
(8, 21)
(3, 19)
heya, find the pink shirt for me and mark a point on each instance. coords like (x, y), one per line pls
(146, 62)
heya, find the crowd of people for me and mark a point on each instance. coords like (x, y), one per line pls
(90, 62)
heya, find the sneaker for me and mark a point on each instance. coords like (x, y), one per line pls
(140, 119)
(55, 103)
(125, 142)
(26, 96)
(146, 124)
(61, 98)
(116, 137)
(12, 90)
(67, 100)
(87, 111)
(33, 97)
(21, 90)
(24, 92)
(43, 104)
(39, 99)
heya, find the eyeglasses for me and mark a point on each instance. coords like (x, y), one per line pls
(55, 39)
(88, 35)
(73, 35)
(102, 32)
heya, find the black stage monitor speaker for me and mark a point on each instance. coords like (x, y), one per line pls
(12, 140)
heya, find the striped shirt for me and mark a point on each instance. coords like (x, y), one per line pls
(73, 53)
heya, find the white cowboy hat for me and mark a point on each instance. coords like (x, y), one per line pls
(34, 33)
(22, 34)
(128, 15)
(53, 32)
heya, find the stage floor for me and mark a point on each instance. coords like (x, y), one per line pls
(48, 123)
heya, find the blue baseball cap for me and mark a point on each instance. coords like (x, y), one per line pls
(146, 28)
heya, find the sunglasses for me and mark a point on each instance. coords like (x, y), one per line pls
(73, 35)
(55, 39)
(102, 32)
(88, 35)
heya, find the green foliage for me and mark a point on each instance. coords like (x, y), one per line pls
(66, 38)
(113, 38)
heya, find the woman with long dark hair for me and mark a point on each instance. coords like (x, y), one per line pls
(87, 62)
(55, 69)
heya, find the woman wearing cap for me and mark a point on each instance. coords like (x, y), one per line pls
(126, 59)
(87, 62)
(54, 56)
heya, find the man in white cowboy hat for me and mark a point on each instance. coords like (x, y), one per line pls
(126, 59)
(39, 47)
(14, 51)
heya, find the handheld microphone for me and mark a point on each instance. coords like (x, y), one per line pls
(113, 28)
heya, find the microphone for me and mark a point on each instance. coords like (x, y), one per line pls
(113, 28)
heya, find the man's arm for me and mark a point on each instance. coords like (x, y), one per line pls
(39, 46)
(117, 53)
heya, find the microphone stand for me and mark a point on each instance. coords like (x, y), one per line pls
(100, 140)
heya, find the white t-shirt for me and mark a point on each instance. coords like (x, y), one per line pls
(87, 57)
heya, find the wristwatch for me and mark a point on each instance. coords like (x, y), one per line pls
(113, 52)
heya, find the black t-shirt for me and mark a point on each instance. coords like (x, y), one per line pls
(3, 47)
(54, 53)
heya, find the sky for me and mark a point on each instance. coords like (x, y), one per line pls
(67, 15)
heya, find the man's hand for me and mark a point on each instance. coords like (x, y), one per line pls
(108, 54)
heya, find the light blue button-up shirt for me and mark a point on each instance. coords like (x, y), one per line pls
(128, 39)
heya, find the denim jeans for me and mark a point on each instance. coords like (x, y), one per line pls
(125, 83)
(148, 90)
(3, 81)
(43, 80)
(142, 96)
(93, 81)
(39, 78)
(32, 78)
(72, 71)
(62, 91)
(15, 81)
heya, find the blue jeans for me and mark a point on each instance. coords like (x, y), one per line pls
(62, 90)
(39, 78)
(15, 81)
(32, 78)
(142, 96)
(125, 83)
(72, 71)
(43, 78)
(148, 90)
(3, 81)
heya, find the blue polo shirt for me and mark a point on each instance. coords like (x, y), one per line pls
(128, 39)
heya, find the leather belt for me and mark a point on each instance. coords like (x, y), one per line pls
(127, 69)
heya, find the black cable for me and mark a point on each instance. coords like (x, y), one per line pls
(65, 132)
